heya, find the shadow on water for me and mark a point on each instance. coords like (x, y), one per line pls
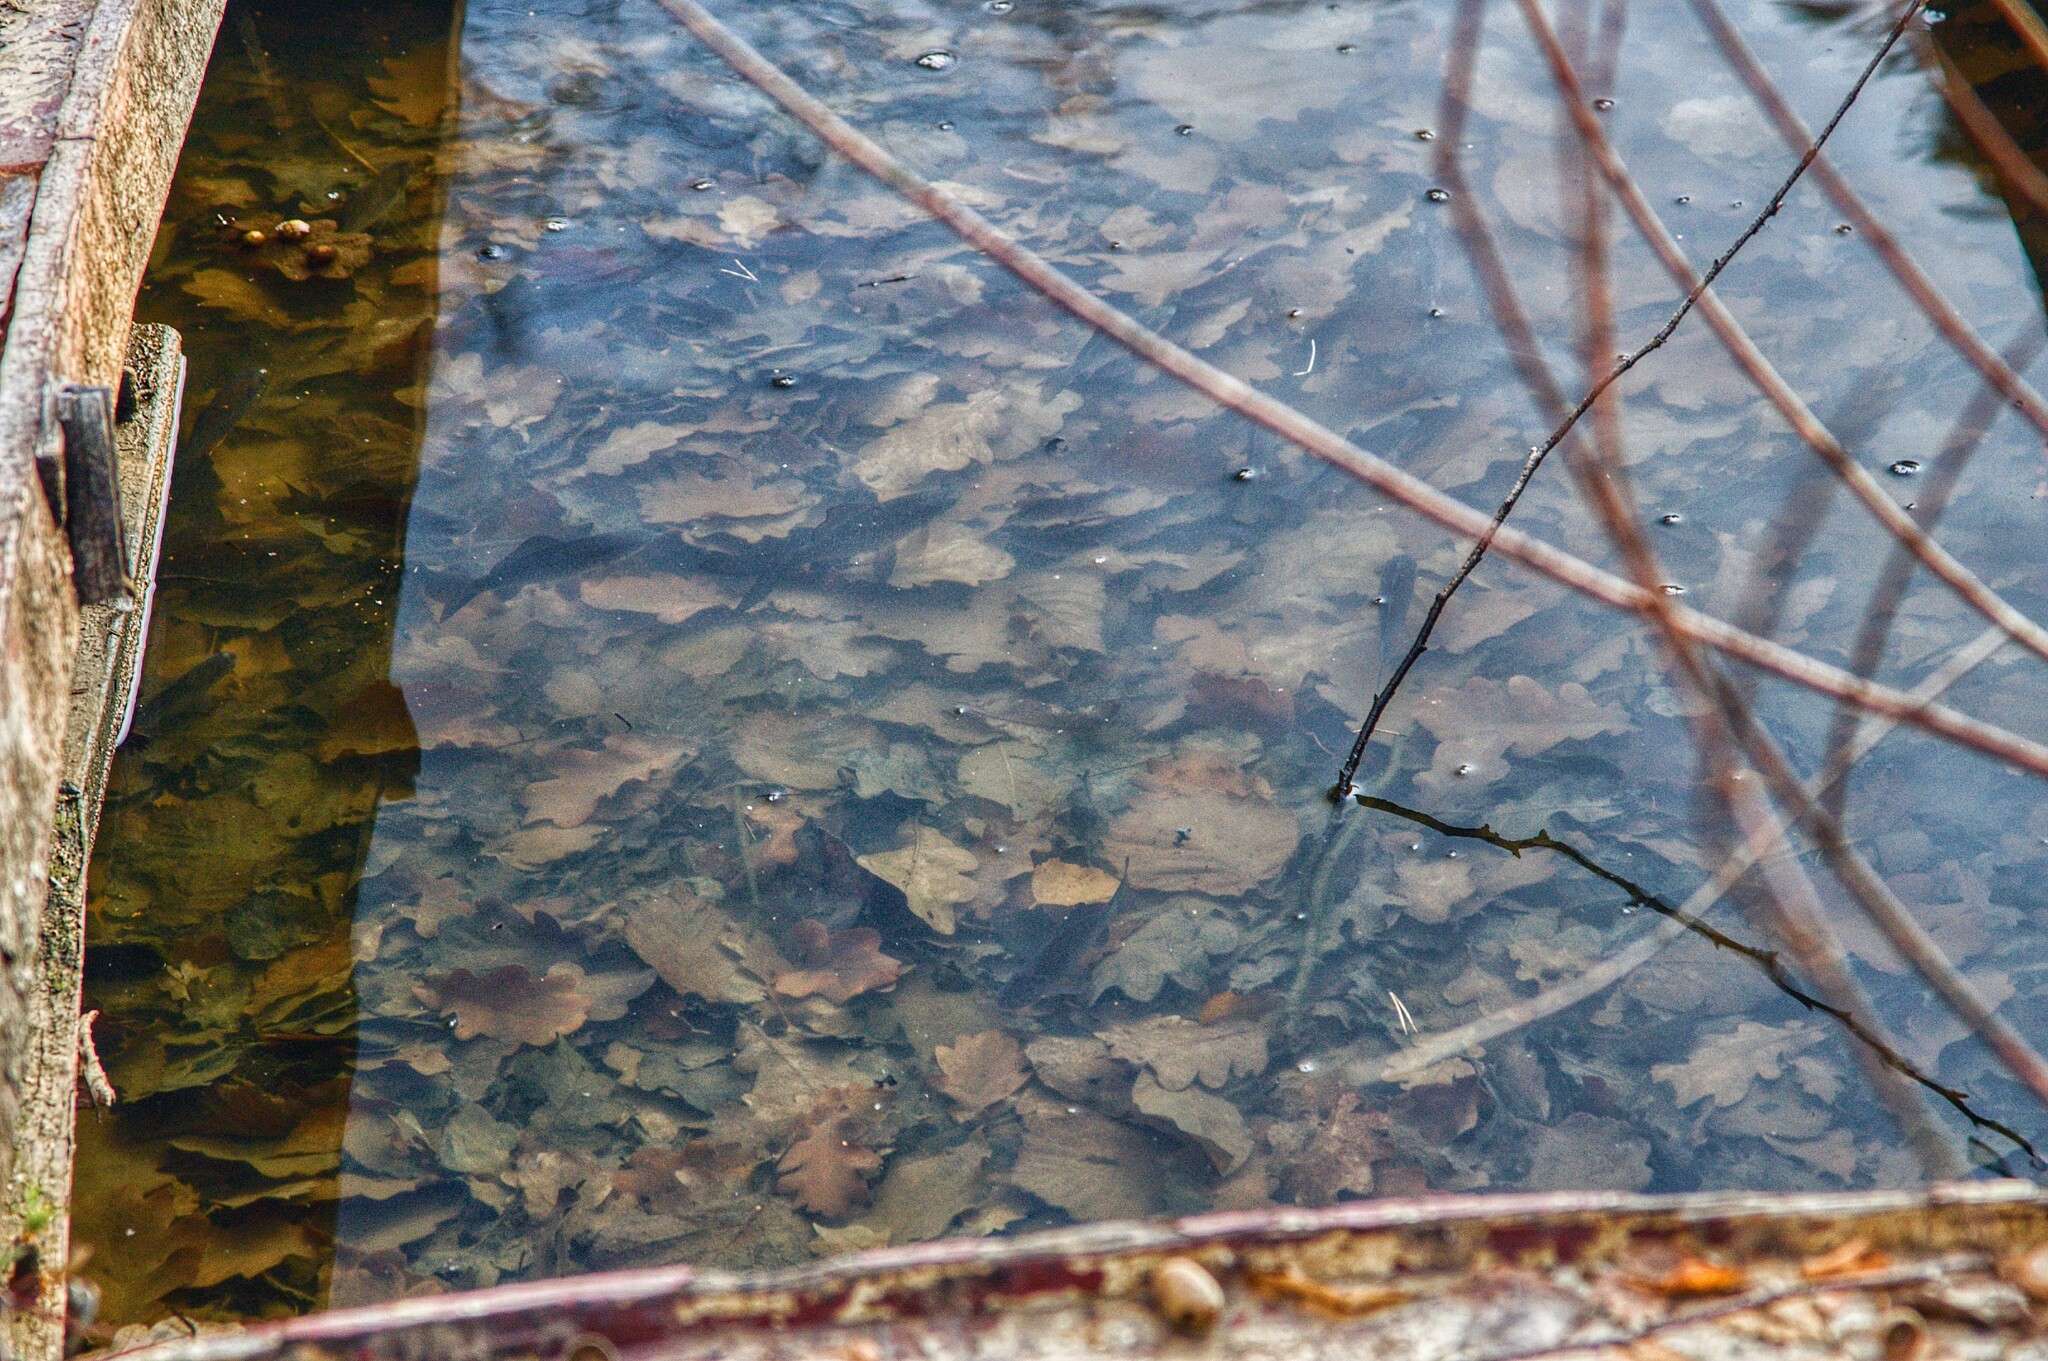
(238, 814)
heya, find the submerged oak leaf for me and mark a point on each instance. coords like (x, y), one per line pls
(1056, 883)
(511, 1004)
(837, 965)
(584, 778)
(698, 948)
(979, 1070)
(1330, 1154)
(826, 1170)
(1181, 1052)
(932, 873)
(1479, 723)
(1723, 1066)
(1202, 824)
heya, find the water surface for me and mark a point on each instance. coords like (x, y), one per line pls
(749, 735)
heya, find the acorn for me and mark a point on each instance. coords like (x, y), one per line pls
(1186, 1295)
(294, 229)
(254, 237)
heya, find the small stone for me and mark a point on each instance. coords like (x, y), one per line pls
(294, 229)
(254, 238)
(1186, 1295)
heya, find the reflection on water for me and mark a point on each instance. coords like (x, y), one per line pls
(843, 760)
(239, 813)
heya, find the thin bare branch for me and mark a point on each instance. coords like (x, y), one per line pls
(1950, 462)
(1759, 369)
(1507, 310)
(1787, 901)
(1981, 126)
(1292, 425)
(1738, 861)
(1871, 894)
(2033, 34)
(1922, 289)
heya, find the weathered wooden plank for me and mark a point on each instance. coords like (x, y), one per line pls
(111, 639)
(130, 72)
(1715, 1277)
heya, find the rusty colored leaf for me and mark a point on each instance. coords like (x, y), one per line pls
(979, 1070)
(511, 1004)
(837, 965)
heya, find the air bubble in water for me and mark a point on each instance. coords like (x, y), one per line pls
(1673, 518)
(1438, 196)
(1465, 769)
(1000, 6)
(1305, 1066)
(1245, 474)
(1905, 467)
(1672, 588)
(937, 59)
(783, 380)
(701, 185)
(1683, 199)
(1603, 104)
(1184, 129)
(556, 224)
(1424, 135)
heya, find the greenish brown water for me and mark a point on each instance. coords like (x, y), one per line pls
(701, 646)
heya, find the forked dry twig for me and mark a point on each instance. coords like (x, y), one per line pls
(1734, 864)
(1788, 901)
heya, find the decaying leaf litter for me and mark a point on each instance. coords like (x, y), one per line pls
(798, 623)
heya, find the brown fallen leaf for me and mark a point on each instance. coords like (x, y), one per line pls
(826, 1170)
(510, 1003)
(979, 1070)
(1333, 1154)
(697, 948)
(1202, 824)
(837, 965)
(583, 778)
(1849, 1259)
(932, 872)
(1059, 884)
(1180, 1051)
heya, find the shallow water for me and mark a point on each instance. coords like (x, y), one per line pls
(748, 735)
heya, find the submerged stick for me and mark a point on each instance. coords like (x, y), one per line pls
(1737, 863)
(1292, 425)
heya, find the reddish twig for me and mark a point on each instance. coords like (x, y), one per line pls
(1520, 339)
(1949, 464)
(1788, 900)
(1758, 368)
(1924, 292)
(1981, 126)
(1871, 894)
(1289, 424)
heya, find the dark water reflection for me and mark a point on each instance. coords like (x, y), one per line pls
(799, 627)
